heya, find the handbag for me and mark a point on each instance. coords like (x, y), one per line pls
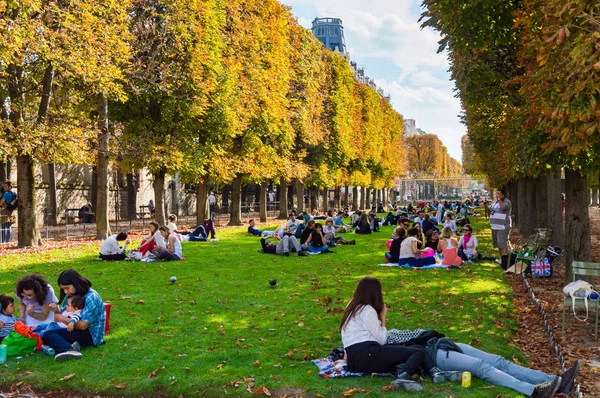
(541, 268)
(18, 344)
(579, 290)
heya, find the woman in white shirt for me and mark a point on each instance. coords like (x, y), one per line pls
(110, 249)
(409, 251)
(449, 222)
(467, 245)
(364, 336)
(172, 251)
(329, 232)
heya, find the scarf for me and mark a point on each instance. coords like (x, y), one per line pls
(466, 239)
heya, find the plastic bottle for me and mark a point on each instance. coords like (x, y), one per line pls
(47, 350)
(3, 353)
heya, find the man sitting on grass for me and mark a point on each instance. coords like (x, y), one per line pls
(252, 230)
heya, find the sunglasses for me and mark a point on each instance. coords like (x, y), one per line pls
(466, 230)
(406, 225)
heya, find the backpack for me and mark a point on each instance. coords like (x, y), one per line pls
(13, 203)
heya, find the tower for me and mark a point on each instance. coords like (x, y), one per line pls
(330, 32)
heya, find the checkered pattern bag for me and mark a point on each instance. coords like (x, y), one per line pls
(396, 336)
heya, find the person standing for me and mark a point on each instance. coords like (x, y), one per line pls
(212, 204)
(8, 202)
(500, 221)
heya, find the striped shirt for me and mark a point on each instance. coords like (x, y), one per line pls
(94, 314)
(9, 324)
(500, 219)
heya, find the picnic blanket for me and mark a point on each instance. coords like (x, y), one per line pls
(408, 266)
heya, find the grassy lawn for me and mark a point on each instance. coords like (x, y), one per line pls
(221, 322)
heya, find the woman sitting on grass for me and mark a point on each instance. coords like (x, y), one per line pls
(450, 223)
(89, 330)
(172, 251)
(308, 229)
(394, 254)
(467, 245)
(409, 251)
(151, 240)
(432, 239)
(35, 296)
(316, 242)
(332, 240)
(362, 225)
(364, 336)
(449, 247)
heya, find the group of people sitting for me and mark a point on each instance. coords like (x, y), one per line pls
(314, 237)
(66, 324)
(162, 243)
(369, 347)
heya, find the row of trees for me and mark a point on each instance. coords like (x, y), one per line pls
(218, 91)
(428, 156)
(527, 73)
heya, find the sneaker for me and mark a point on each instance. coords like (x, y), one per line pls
(301, 253)
(405, 382)
(499, 261)
(352, 242)
(287, 254)
(568, 378)
(440, 376)
(547, 390)
(76, 346)
(63, 356)
(327, 251)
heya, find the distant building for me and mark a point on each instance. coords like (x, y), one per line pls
(421, 132)
(410, 127)
(330, 32)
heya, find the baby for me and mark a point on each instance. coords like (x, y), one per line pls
(7, 317)
(67, 319)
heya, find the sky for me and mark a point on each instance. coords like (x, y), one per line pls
(384, 37)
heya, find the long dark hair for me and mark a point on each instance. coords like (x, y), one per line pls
(72, 277)
(34, 282)
(368, 292)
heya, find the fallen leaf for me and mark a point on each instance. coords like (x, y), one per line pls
(351, 392)
(474, 342)
(19, 384)
(262, 390)
(388, 387)
(122, 385)
(256, 363)
(301, 324)
(141, 302)
(155, 372)
(67, 377)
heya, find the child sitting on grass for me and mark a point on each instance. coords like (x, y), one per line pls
(7, 317)
(65, 320)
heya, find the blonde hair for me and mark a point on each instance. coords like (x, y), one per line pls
(447, 233)
(329, 219)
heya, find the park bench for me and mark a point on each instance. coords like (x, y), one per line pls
(70, 218)
(581, 268)
(143, 211)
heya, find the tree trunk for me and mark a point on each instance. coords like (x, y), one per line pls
(362, 198)
(52, 213)
(368, 198)
(541, 202)
(314, 199)
(94, 194)
(346, 201)
(354, 198)
(283, 208)
(300, 196)
(578, 243)
(594, 197)
(201, 200)
(29, 233)
(226, 192)
(2, 164)
(290, 196)
(554, 208)
(131, 196)
(236, 202)
(521, 208)
(513, 196)
(158, 184)
(173, 186)
(337, 196)
(102, 224)
(262, 195)
(527, 207)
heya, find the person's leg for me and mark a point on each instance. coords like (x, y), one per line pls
(200, 232)
(148, 247)
(319, 249)
(299, 230)
(295, 245)
(418, 262)
(61, 340)
(286, 244)
(387, 357)
(280, 246)
(462, 254)
(519, 372)
(388, 255)
(195, 238)
(165, 255)
(456, 361)
(113, 257)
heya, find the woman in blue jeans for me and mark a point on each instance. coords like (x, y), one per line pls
(450, 356)
(89, 331)
(316, 242)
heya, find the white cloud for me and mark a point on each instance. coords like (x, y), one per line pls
(384, 37)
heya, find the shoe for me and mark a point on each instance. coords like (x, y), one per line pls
(76, 346)
(407, 383)
(548, 389)
(63, 356)
(287, 254)
(301, 253)
(568, 378)
(499, 261)
(440, 376)
(327, 251)
(352, 242)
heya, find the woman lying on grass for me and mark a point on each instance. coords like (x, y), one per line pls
(89, 330)
(364, 336)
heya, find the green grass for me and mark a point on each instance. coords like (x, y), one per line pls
(221, 322)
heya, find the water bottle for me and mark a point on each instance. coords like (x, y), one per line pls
(47, 350)
(3, 353)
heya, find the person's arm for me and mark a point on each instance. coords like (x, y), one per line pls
(171, 248)
(93, 310)
(475, 243)
(308, 240)
(40, 316)
(441, 245)
(22, 310)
